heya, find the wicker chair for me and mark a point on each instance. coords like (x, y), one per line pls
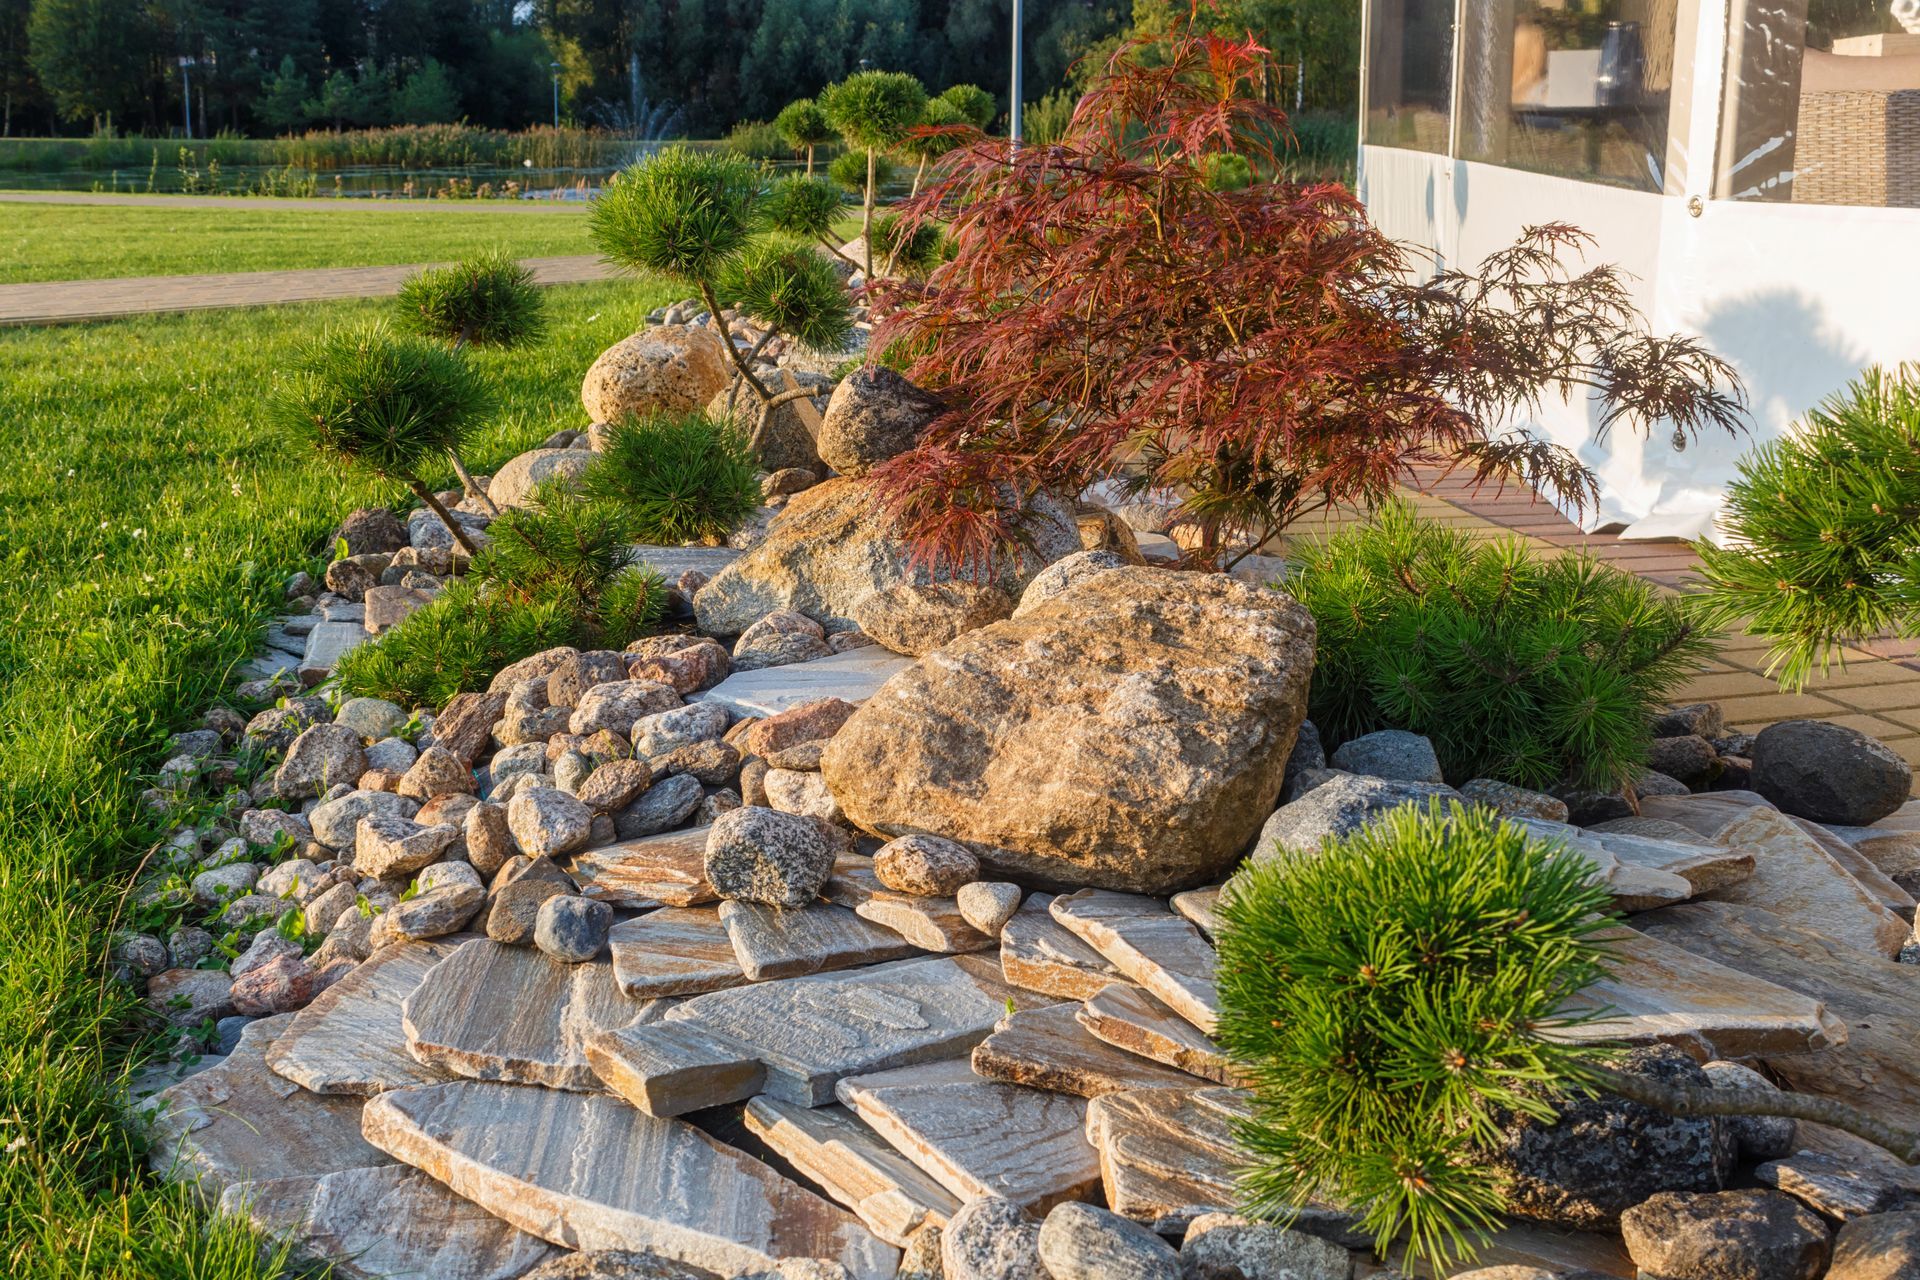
(1858, 143)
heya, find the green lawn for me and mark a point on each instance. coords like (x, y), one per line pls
(146, 527)
(91, 242)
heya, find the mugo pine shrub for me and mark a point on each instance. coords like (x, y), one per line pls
(1825, 526)
(1382, 997)
(1532, 670)
(677, 477)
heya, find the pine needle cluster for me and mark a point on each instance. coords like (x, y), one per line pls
(676, 477)
(381, 401)
(909, 247)
(487, 300)
(1826, 529)
(805, 207)
(791, 288)
(849, 169)
(551, 574)
(1532, 670)
(1386, 998)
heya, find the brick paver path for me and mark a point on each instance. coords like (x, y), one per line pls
(1878, 692)
(61, 301)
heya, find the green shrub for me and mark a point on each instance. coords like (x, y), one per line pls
(756, 140)
(873, 111)
(975, 105)
(681, 212)
(1826, 526)
(925, 148)
(1384, 997)
(678, 477)
(1518, 667)
(790, 287)
(1045, 122)
(552, 574)
(907, 252)
(804, 126)
(802, 207)
(488, 299)
(849, 169)
(1226, 171)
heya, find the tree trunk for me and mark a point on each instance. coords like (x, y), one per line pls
(726, 340)
(866, 217)
(425, 495)
(1688, 1100)
(918, 174)
(809, 159)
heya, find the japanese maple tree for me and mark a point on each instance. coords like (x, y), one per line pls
(1263, 352)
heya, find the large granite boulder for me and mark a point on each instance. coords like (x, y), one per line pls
(789, 440)
(670, 368)
(514, 483)
(875, 414)
(831, 547)
(1130, 733)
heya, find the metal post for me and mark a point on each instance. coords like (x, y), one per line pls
(186, 94)
(1013, 115)
(555, 68)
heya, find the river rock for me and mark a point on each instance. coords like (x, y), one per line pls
(515, 483)
(1225, 1246)
(1080, 1242)
(830, 548)
(991, 1238)
(546, 822)
(320, 757)
(1828, 772)
(1727, 1235)
(1885, 1246)
(1389, 753)
(668, 368)
(1338, 807)
(1129, 734)
(572, 929)
(987, 905)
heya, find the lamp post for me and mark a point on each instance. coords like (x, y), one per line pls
(1013, 115)
(186, 94)
(555, 68)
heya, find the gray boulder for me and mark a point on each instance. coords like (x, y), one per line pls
(760, 855)
(1341, 806)
(1829, 773)
(1080, 1242)
(1726, 1235)
(1225, 1246)
(664, 806)
(991, 1239)
(320, 757)
(546, 822)
(875, 414)
(1884, 1246)
(336, 823)
(572, 929)
(1394, 754)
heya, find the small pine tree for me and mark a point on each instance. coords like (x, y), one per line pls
(1824, 527)
(909, 247)
(788, 287)
(807, 208)
(940, 131)
(387, 404)
(678, 478)
(976, 106)
(873, 110)
(427, 97)
(1532, 670)
(849, 169)
(804, 126)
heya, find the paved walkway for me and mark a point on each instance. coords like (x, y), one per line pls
(64, 301)
(1877, 693)
(335, 203)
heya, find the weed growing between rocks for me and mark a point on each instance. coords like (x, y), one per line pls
(1530, 670)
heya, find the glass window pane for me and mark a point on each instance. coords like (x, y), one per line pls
(1409, 73)
(1577, 88)
(1822, 104)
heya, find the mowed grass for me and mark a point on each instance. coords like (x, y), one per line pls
(147, 526)
(91, 242)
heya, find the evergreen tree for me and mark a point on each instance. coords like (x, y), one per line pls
(334, 103)
(427, 97)
(92, 56)
(282, 102)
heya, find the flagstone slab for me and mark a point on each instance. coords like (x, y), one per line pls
(931, 924)
(349, 1040)
(855, 1166)
(812, 1031)
(239, 1122)
(675, 951)
(1704, 867)
(1634, 886)
(852, 676)
(1797, 878)
(1149, 945)
(1168, 1156)
(1128, 1018)
(663, 870)
(671, 1070)
(979, 1137)
(1200, 907)
(386, 1223)
(494, 1012)
(1659, 992)
(1878, 1000)
(787, 942)
(1721, 816)
(587, 1171)
(1051, 1049)
(1037, 954)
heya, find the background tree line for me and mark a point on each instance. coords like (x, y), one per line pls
(265, 67)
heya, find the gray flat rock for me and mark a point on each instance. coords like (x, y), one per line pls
(327, 643)
(787, 942)
(1148, 944)
(675, 951)
(1200, 908)
(349, 1040)
(1128, 1018)
(978, 1137)
(1167, 1156)
(671, 562)
(386, 1223)
(239, 1122)
(812, 1031)
(587, 1171)
(663, 870)
(670, 1070)
(1833, 1188)
(854, 1165)
(853, 676)
(1662, 992)
(1037, 954)
(1796, 876)
(493, 1012)
(1051, 1049)
(931, 924)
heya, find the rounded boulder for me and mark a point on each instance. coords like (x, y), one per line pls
(669, 368)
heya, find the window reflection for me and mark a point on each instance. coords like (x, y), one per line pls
(1822, 104)
(1577, 88)
(1409, 73)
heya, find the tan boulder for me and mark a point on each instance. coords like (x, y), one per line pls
(514, 484)
(831, 547)
(916, 619)
(1130, 733)
(669, 368)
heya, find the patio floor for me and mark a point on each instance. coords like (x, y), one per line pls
(1878, 691)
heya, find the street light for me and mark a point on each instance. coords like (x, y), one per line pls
(186, 94)
(555, 68)
(1013, 116)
